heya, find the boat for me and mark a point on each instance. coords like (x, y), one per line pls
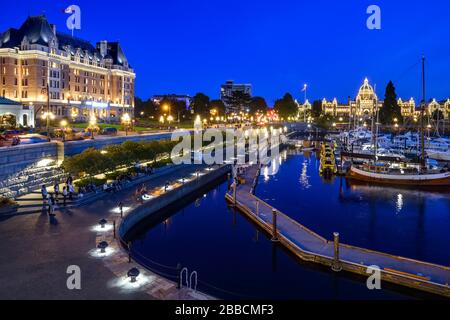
(402, 174)
(328, 165)
(385, 174)
(439, 155)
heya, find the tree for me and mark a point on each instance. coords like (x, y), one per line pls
(201, 104)
(258, 104)
(144, 108)
(316, 109)
(390, 110)
(177, 108)
(219, 106)
(286, 107)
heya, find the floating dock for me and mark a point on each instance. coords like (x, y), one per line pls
(309, 246)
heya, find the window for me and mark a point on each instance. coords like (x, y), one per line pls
(4, 81)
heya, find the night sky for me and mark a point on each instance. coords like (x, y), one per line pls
(190, 46)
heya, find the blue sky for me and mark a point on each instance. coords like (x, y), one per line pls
(185, 47)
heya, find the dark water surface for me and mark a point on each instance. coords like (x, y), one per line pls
(236, 261)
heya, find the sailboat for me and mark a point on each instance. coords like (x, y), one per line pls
(402, 174)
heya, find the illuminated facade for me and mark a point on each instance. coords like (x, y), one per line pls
(82, 79)
(364, 105)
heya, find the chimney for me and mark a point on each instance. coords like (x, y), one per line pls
(103, 48)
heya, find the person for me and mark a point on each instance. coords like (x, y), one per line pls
(56, 189)
(71, 191)
(69, 180)
(120, 205)
(64, 193)
(44, 194)
(51, 205)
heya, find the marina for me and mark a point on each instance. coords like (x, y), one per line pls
(365, 216)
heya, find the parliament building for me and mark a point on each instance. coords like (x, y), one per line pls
(366, 101)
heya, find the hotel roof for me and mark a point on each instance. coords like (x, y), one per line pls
(37, 30)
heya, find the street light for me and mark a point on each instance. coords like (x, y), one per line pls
(169, 119)
(126, 122)
(48, 116)
(161, 119)
(63, 125)
(92, 125)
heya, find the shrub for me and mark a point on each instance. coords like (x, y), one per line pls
(85, 182)
(4, 202)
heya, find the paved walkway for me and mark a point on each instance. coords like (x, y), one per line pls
(308, 241)
(35, 253)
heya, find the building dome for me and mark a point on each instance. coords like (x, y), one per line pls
(366, 91)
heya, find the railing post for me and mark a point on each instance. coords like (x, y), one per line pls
(234, 194)
(336, 265)
(229, 180)
(179, 276)
(274, 226)
(114, 226)
(129, 252)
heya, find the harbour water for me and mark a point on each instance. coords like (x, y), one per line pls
(236, 261)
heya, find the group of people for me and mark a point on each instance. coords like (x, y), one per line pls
(15, 141)
(52, 199)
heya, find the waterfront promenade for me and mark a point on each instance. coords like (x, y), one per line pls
(309, 246)
(36, 253)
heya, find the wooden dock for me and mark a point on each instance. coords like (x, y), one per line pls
(309, 246)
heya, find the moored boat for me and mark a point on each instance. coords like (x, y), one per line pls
(404, 177)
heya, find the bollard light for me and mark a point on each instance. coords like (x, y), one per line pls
(102, 223)
(102, 246)
(133, 274)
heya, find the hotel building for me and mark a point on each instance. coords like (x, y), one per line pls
(82, 80)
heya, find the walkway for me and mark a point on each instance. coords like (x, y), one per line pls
(311, 247)
(36, 254)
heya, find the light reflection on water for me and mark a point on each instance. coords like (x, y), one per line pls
(407, 222)
(230, 253)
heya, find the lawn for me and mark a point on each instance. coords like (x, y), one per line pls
(108, 125)
(144, 126)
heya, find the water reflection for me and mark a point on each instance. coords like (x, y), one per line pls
(406, 222)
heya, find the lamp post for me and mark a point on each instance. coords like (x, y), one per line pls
(63, 126)
(46, 91)
(92, 125)
(48, 116)
(126, 122)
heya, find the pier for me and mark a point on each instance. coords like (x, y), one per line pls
(309, 246)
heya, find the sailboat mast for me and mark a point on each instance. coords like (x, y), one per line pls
(422, 116)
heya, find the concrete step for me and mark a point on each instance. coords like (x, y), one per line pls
(39, 205)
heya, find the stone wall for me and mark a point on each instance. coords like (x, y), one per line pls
(24, 167)
(156, 205)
